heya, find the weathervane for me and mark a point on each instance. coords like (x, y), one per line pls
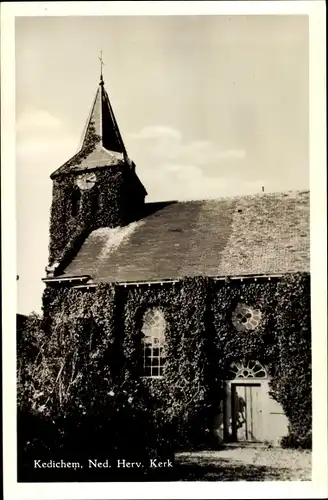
(101, 66)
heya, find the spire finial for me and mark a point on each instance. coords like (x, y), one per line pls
(101, 67)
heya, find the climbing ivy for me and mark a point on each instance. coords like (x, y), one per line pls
(100, 206)
(229, 343)
(282, 342)
(293, 381)
(180, 398)
(115, 200)
(202, 342)
(90, 142)
(72, 401)
(86, 359)
(74, 356)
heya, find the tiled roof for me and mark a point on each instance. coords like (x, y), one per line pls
(240, 236)
(102, 144)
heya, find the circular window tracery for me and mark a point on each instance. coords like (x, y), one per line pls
(249, 369)
(246, 318)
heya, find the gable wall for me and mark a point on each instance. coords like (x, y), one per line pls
(201, 339)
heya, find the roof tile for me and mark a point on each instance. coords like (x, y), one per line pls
(240, 236)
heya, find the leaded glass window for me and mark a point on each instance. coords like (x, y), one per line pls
(245, 318)
(153, 343)
(249, 369)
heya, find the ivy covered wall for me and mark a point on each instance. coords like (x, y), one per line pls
(115, 200)
(202, 342)
(87, 358)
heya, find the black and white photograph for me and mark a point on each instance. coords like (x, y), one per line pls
(163, 248)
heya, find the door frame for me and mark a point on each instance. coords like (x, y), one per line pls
(229, 432)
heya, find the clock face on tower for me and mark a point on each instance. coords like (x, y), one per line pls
(86, 181)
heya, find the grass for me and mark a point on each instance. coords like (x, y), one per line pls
(244, 464)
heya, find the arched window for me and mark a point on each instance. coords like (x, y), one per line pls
(76, 198)
(153, 329)
(249, 369)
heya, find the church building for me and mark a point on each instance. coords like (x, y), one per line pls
(207, 297)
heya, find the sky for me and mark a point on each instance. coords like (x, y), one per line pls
(208, 106)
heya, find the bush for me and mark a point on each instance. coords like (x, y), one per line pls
(297, 439)
(116, 434)
(73, 402)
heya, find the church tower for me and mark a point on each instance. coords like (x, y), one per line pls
(97, 187)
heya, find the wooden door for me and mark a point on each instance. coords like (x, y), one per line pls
(246, 412)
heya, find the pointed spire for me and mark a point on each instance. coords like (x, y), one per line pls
(101, 67)
(102, 144)
(102, 122)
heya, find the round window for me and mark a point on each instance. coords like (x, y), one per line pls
(246, 318)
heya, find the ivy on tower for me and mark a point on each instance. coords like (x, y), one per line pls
(97, 187)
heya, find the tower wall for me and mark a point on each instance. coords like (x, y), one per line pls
(97, 187)
(115, 200)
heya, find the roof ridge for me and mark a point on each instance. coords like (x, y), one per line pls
(234, 197)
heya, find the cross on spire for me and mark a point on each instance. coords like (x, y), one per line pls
(101, 66)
